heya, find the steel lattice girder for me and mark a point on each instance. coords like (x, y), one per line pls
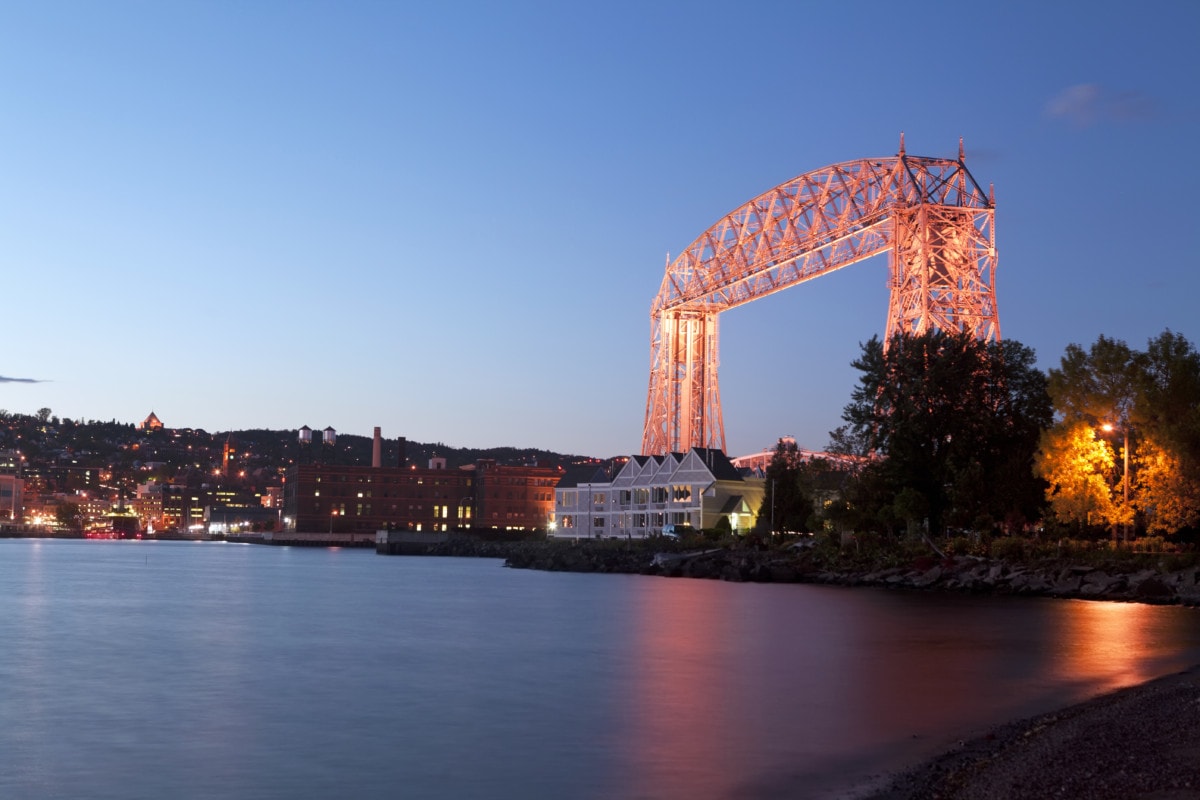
(930, 213)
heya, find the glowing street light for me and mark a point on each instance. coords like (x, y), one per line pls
(1108, 428)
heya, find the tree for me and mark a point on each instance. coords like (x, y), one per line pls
(67, 514)
(1166, 493)
(1167, 403)
(953, 419)
(786, 505)
(1151, 402)
(1095, 386)
(1077, 466)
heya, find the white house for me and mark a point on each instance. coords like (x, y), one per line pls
(697, 488)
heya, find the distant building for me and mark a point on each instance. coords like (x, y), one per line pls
(272, 497)
(12, 487)
(12, 499)
(148, 505)
(514, 498)
(337, 498)
(352, 500)
(150, 423)
(696, 489)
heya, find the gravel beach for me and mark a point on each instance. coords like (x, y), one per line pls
(1139, 743)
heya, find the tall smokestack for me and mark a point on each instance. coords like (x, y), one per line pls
(402, 459)
(376, 450)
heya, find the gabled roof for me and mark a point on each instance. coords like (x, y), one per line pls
(718, 463)
(582, 473)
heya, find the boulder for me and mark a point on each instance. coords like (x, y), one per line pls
(1067, 585)
(1153, 588)
(928, 578)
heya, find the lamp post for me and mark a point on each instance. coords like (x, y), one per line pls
(1108, 427)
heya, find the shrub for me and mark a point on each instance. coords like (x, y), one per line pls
(1151, 544)
(973, 545)
(1009, 548)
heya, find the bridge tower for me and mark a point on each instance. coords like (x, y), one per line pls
(929, 214)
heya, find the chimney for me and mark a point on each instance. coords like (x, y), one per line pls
(376, 445)
(402, 459)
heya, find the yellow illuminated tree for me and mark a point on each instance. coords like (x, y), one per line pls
(1078, 466)
(1167, 494)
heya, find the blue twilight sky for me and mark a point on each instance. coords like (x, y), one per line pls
(450, 219)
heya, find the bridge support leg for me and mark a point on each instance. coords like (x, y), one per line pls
(943, 264)
(683, 406)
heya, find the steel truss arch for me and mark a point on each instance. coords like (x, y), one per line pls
(929, 214)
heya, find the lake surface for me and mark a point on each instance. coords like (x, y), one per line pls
(207, 670)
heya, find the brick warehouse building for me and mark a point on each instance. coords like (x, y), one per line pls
(340, 499)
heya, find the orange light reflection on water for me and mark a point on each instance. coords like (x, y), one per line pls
(1108, 643)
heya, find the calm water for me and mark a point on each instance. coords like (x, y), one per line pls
(189, 670)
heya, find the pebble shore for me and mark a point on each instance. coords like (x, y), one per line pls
(1139, 743)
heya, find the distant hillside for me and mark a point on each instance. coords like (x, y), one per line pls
(50, 445)
(284, 446)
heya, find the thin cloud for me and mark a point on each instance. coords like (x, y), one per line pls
(1087, 104)
(4, 379)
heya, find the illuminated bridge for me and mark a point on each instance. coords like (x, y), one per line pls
(929, 214)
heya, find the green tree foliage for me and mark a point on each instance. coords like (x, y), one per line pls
(1167, 405)
(788, 501)
(1095, 386)
(952, 419)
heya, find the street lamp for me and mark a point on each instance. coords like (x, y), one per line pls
(1108, 428)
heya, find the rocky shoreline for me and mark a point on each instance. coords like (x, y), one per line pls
(1061, 578)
